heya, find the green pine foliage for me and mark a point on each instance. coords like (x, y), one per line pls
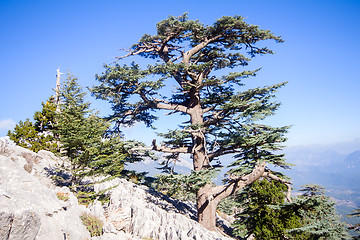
(82, 134)
(203, 65)
(73, 131)
(355, 227)
(259, 217)
(184, 186)
(25, 135)
(229, 206)
(87, 144)
(318, 214)
(45, 119)
(39, 135)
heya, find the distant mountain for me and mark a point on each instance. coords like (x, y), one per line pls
(331, 167)
(152, 167)
(326, 167)
(335, 167)
(352, 161)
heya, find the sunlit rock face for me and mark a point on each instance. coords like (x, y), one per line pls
(146, 214)
(30, 208)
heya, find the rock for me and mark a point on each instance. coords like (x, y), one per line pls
(29, 206)
(33, 207)
(6, 220)
(145, 213)
(24, 226)
(96, 209)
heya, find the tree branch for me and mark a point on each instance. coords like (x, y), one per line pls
(223, 151)
(165, 149)
(197, 48)
(238, 182)
(162, 104)
(268, 174)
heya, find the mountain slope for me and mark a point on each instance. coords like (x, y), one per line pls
(30, 208)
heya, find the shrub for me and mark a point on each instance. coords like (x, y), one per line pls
(93, 224)
(62, 196)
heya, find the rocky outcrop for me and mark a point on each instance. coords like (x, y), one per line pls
(30, 208)
(143, 213)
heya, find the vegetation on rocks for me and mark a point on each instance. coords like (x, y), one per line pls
(224, 118)
(62, 196)
(39, 135)
(93, 224)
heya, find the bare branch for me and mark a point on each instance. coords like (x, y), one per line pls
(238, 182)
(197, 48)
(162, 104)
(224, 151)
(165, 149)
(216, 117)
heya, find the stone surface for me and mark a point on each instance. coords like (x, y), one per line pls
(30, 208)
(28, 203)
(25, 226)
(146, 214)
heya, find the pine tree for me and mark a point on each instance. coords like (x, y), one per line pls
(318, 214)
(25, 135)
(85, 140)
(223, 115)
(45, 119)
(80, 131)
(260, 217)
(37, 136)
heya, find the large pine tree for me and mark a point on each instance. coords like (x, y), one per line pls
(223, 115)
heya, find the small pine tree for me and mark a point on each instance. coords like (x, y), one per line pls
(84, 138)
(259, 217)
(45, 119)
(37, 136)
(25, 135)
(318, 214)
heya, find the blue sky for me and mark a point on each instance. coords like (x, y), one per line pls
(319, 59)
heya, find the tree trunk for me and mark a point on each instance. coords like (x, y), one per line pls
(208, 197)
(206, 208)
(205, 204)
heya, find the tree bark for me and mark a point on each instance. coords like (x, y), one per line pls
(208, 197)
(206, 208)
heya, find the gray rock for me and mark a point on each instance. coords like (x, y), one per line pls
(25, 226)
(30, 209)
(29, 206)
(6, 220)
(144, 213)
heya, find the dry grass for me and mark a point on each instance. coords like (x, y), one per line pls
(93, 224)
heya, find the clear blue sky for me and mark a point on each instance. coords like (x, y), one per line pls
(319, 59)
